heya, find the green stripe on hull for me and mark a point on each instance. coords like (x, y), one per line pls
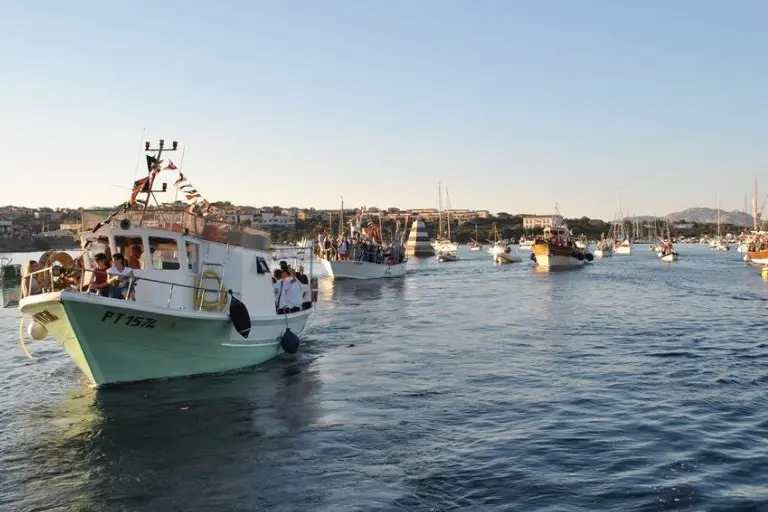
(121, 345)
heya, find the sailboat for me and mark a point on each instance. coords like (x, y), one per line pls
(623, 244)
(474, 245)
(667, 252)
(718, 243)
(501, 250)
(195, 297)
(445, 248)
(604, 248)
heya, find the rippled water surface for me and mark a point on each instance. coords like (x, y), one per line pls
(629, 384)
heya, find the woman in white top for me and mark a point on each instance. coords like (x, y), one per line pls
(121, 278)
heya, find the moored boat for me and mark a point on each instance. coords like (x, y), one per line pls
(556, 248)
(187, 293)
(363, 254)
(604, 249)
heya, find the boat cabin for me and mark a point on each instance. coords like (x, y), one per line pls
(180, 270)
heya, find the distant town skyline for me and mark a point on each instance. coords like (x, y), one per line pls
(514, 106)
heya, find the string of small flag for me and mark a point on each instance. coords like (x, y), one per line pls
(197, 203)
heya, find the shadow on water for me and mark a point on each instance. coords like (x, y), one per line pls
(184, 444)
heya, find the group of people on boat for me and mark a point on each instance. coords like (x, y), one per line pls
(110, 277)
(666, 248)
(291, 288)
(359, 248)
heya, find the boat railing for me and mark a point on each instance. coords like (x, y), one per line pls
(57, 278)
(181, 221)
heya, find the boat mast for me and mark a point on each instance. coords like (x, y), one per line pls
(341, 220)
(448, 213)
(150, 175)
(754, 208)
(439, 211)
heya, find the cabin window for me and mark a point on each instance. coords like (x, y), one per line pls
(262, 267)
(132, 248)
(193, 252)
(165, 253)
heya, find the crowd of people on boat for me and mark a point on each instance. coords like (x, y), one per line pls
(291, 288)
(359, 248)
(110, 277)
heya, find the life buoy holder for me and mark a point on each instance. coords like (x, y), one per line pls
(204, 304)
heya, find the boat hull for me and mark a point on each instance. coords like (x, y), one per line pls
(623, 250)
(114, 341)
(362, 269)
(525, 246)
(758, 257)
(446, 257)
(668, 257)
(504, 255)
(558, 257)
(603, 253)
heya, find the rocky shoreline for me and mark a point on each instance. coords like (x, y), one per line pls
(36, 244)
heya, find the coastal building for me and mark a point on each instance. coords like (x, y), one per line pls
(6, 227)
(418, 241)
(271, 220)
(540, 221)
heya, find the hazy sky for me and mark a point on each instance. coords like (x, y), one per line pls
(514, 105)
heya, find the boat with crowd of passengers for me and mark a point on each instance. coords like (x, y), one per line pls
(186, 293)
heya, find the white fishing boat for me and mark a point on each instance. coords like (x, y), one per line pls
(623, 244)
(473, 244)
(524, 244)
(604, 248)
(196, 297)
(556, 249)
(362, 253)
(667, 252)
(501, 249)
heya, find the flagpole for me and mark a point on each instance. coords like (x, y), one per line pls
(138, 158)
(181, 163)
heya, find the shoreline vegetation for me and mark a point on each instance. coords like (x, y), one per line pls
(512, 227)
(37, 244)
(509, 226)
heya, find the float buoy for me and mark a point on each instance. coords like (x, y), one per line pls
(37, 331)
(589, 256)
(238, 313)
(289, 341)
(125, 224)
(580, 256)
(533, 257)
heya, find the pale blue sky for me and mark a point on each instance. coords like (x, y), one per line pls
(513, 105)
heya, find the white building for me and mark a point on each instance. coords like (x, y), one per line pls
(6, 227)
(540, 221)
(270, 219)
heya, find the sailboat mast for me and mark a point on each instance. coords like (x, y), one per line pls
(341, 219)
(718, 214)
(754, 208)
(439, 211)
(448, 214)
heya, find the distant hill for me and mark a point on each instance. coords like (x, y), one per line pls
(709, 216)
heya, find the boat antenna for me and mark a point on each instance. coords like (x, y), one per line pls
(152, 175)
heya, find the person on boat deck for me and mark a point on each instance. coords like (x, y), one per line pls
(30, 285)
(277, 279)
(104, 241)
(289, 299)
(134, 256)
(343, 249)
(99, 283)
(306, 292)
(120, 277)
